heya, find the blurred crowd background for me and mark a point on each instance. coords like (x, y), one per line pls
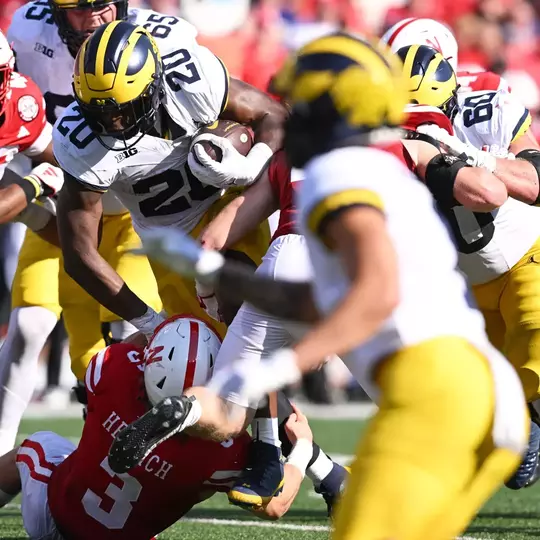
(253, 37)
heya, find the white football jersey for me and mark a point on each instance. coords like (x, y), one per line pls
(151, 178)
(491, 243)
(41, 54)
(434, 298)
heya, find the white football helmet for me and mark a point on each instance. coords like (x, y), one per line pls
(7, 64)
(429, 32)
(180, 354)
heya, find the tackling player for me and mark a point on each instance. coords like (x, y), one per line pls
(398, 314)
(498, 237)
(46, 36)
(132, 136)
(71, 492)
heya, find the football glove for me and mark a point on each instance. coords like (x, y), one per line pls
(233, 169)
(49, 178)
(181, 254)
(208, 300)
(471, 155)
(252, 381)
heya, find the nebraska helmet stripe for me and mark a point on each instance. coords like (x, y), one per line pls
(399, 29)
(192, 353)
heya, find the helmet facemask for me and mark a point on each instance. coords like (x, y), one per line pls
(124, 121)
(75, 38)
(5, 77)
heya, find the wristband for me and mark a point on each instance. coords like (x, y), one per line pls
(148, 322)
(31, 187)
(301, 455)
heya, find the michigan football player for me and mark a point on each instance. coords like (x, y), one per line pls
(46, 37)
(398, 314)
(141, 93)
(499, 245)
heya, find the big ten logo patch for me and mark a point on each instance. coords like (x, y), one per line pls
(126, 154)
(40, 48)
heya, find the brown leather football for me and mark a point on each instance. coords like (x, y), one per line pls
(240, 136)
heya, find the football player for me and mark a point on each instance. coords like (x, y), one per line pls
(253, 334)
(399, 315)
(414, 31)
(71, 492)
(498, 237)
(489, 98)
(24, 128)
(141, 93)
(45, 37)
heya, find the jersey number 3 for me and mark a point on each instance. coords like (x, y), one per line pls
(123, 497)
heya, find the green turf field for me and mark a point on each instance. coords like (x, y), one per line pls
(509, 516)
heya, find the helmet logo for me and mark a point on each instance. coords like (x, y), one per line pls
(435, 45)
(153, 355)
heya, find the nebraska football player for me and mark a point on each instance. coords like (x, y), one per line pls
(71, 492)
(24, 128)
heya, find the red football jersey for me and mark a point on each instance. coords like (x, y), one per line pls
(418, 115)
(482, 80)
(88, 501)
(284, 184)
(25, 127)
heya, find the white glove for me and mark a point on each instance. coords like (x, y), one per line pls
(498, 152)
(180, 253)
(471, 155)
(251, 381)
(208, 300)
(233, 169)
(49, 178)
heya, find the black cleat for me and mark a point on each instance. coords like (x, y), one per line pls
(138, 439)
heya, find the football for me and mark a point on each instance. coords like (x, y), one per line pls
(240, 136)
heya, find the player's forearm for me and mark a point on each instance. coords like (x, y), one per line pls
(88, 268)
(263, 114)
(520, 178)
(237, 219)
(479, 190)
(280, 504)
(286, 300)
(15, 196)
(49, 233)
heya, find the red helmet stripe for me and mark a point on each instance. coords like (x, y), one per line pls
(398, 30)
(192, 354)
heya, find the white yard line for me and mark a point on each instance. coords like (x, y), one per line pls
(260, 524)
(344, 411)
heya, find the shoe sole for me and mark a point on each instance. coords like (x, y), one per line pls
(136, 441)
(246, 501)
